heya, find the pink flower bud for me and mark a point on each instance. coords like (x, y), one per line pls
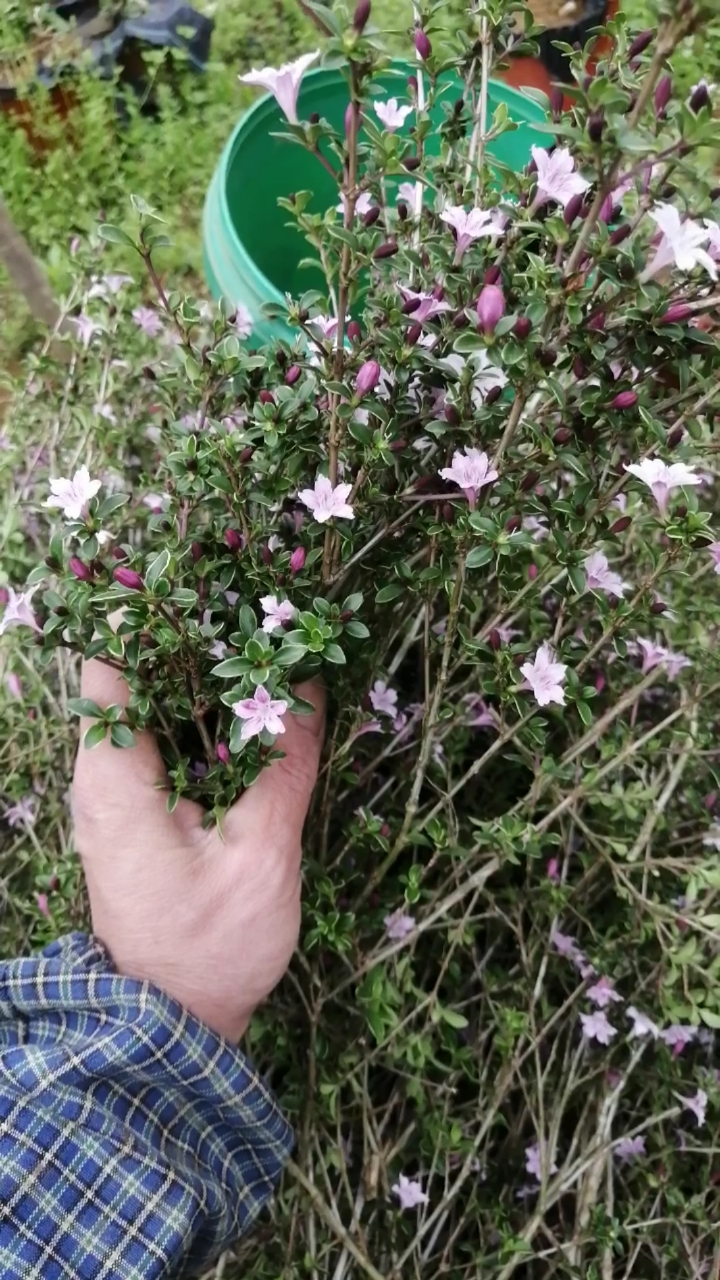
(354, 332)
(676, 312)
(553, 870)
(640, 43)
(495, 640)
(196, 552)
(532, 572)
(292, 375)
(414, 334)
(266, 554)
(579, 369)
(492, 275)
(674, 437)
(128, 578)
(606, 210)
(361, 15)
(233, 539)
(597, 322)
(80, 570)
(422, 44)
(246, 454)
(367, 378)
(621, 525)
(573, 207)
(490, 307)
(297, 560)
(522, 328)
(223, 753)
(599, 682)
(663, 94)
(266, 397)
(624, 400)
(42, 905)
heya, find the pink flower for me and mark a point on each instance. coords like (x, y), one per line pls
(86, 328)
(398, 925)
(428, 306)
(714, 550)
(552, 870)
(13, 684)
(629, 1148)
(470, 471)
(595, 1026)
(545, 677)
(326, 325)
(662, 478)
(603, 993)
(157, 502)
(22, 813)
(642, 1025)
(655, 655)
(600, 577)
(391, 114)
(242, 321)
(18, 611)
(327, 502)
(147, 319)
(261, 712)
(481, 716)
(283, 82)
(383, 699)
(218, 649)
(533, 1163)
(680, 244)
(471, 226)
(277, 612)
(72, 496)
(565, 944)
(556, 176)
(111, 283)
(363, 204)
(42, 905)
(409, 1193)
(697, 1104)
(678, 1037)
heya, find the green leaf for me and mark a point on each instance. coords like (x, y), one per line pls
(577, 578)
(290, 654)
(356, 629)
(333, 653)
(236, 742)
(710, 1019)
(390, 592)
(95, 735)
(84, 707)
(585, 712)
(453, 1019)
(478, 557)
(121, 735)
(157, 568)
(115, 235)
(110, 504)
(173, 801)
(247, 620)
(353, 602)
(231, 668)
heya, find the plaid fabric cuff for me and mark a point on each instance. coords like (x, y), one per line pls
(134, 1141)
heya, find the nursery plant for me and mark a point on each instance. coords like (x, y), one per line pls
(475, 497)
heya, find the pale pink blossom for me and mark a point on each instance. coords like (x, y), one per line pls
(678, 1037)
(408, 191)
(147, 319)
(363, 205)
(218, 649)
(537, 526)
(595, 1026)
(111, 283)
(556, 176)
(662, 478)
(13, 684)
(43, 905)
(428, 305)
(18, 611)
(383, 699)
(398, 925)
(629, 1148)
(328, 502)
(655, 655)
(86, 328)
(680, 244)
(242, 321)
(481, 716)
(600, 577)
(642, 1025)
(533, 1162)
(409, 1192)
(261, 712)
(157, 502)
(325, 325)
(714, 550)
(471, 226)
(697, 1104)
(545, 677)
(283, 82)
(391, 114)
(713, 231)
(552, 870)
(603, 993)
(470, 471)
(72, 496)
(23, 813)
(506, 634)
(565, 944)
(277, 612)
(486, 376)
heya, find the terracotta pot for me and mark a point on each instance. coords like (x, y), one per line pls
(551, 67)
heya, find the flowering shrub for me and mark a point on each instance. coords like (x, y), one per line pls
(475, 496)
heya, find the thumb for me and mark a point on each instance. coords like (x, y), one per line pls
(282, 793)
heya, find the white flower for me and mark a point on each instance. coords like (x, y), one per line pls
(409, 1192)
(277, 612)
(545, 677)
(383, 699)
(556, 176)
(363, 205)
(283, 82)
(391, 114)
(662, 478)
(600, 577)
(327, 502)
(471, 226)
(697, 1104)
(681, 243)
(642, 1025)
(72, 496)
(18, 611)
(398, 925)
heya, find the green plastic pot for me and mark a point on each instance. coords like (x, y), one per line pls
(251, 254)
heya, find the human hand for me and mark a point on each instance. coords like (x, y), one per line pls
(212, 921)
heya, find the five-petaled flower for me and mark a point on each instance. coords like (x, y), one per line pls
(277, 612)
(283, 82)
(470, 226)
(641, 1025)
(678, 1036)
(72, 496)
(600, 577)
(391, 114)
(545, 676)
(603, 993)
(556, 176)
(383, 699)
(398, 925)
(470, 470)
(629, 1148)
(662, 478)
(656, 655)
(681, 243)
(86, 328)
(363, 205)
(18, 611)
(327, 501)
(533, 1162)
(595, 1026)
(428, 305)
(697, 1104)
(147, 319)
(409, 1192)
(23, 813)
(261, 712)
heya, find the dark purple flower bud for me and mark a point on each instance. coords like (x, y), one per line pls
(452, 415)
(128, 578)
(118, 554)
(658, 606)
(422, 44)
(411, 163)
(367, 378)
(266, 397)
(490, 307)
(438, 292)
(624, 400)
(587, 80)
(700, 96)
(412, 85)
(460, 320)
(361, 15)
(562, 436)
(371, 216)
(386, 250)
(266, 554)
(597, 322)
(410, 305)
(620, 233)
(676, 312)
(663, 94)
(246, 454)
(495, 639)
(596, 126)
(354, 332)
(493, 394)
(572, 208)
(492, 275)
(313, 118)
(547, 357)
(529, 481)
(579, 369)
(196, 552)
(621, 525)
(413, 334)
(640, 43)
(557, 101)
(522, 328)
(80, 570)
(293, 374)
(675, 437)
(233, 539)
(513, 523)
(397, 446)
(715, 193)
(402, 210)
(223, 752)
(297, 560)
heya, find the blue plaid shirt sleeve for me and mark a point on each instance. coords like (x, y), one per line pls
(135, 1143)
